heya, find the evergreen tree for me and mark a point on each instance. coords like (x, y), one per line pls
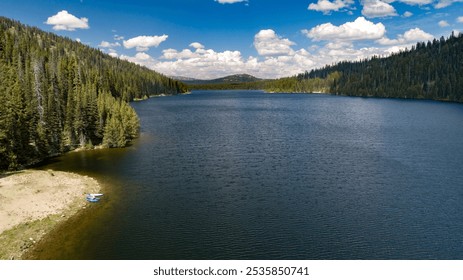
(58, 95)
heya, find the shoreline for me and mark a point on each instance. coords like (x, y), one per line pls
(34, 202)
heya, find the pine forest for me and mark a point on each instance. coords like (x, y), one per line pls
(431, 70)
(57, 95)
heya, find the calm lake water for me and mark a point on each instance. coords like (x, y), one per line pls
(249, 175)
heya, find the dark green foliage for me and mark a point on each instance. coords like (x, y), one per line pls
(299, 85)
(238, 81)
(432, 70)
(289, 85)
(224, 86)
(57, 95)
(232, 79)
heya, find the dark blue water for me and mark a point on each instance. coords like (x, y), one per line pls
(249, 175)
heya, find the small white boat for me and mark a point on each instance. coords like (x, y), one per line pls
(94, 197)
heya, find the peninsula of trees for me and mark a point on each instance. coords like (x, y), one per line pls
(432, 70)
(57, 95)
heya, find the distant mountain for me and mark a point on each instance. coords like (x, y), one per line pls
(183, 79)
(238, 78)
(232, 79)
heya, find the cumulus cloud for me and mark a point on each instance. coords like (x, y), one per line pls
(197, 45)
(360, 29)
(339, 45)
(407, 14)
(105, 44)
(417, 2)
(143, 43)
(327, 6)
(142, 59)
(174, 54)
(443, 23)
(445, 3)
(349, 53)
(411, 36)
(118, 38)
(66, 21)
(377, 8)
(277, 56)
(268, 43)
(460, 19)
(230, 1)
(277, 59)
(202, 63)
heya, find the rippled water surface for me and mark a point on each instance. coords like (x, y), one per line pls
(248, 175)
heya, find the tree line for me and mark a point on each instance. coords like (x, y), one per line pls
(431, 70)
(57, 95)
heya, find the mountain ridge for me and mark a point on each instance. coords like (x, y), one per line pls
(230, 79)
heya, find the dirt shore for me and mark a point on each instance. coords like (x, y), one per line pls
(33, 202)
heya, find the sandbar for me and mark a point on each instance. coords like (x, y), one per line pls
(33, 202)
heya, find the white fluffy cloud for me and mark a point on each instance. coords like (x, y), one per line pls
(445, 3)
(411, 36)
(416, 34)
(66, 21)
(141, 58)
(230, 1)
(417, 2)
(407, 14)
(197, 45)
(202, 63)
(113, 53)
(105, 44)
(339, 45)
(174, 54)
(143, 43)
(276, 59)
(460, 19)
(268, 43)
(349, 53)
(277, 56)
(443, 23)
(327, 6)
(360, 29)
(377, 8)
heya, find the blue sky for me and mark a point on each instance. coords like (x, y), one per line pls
(265, 38)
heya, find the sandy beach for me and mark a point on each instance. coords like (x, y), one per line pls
(32, 202)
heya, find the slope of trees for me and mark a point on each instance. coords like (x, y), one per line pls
(299, 84)
(57, 95)
(432, 70)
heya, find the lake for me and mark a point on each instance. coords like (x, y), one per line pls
(249, 175)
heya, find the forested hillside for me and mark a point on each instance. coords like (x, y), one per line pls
(432, 70)
(57, 95)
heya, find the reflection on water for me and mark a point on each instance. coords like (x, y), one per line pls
(248, 175)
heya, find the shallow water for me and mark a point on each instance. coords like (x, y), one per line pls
(248, 175)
